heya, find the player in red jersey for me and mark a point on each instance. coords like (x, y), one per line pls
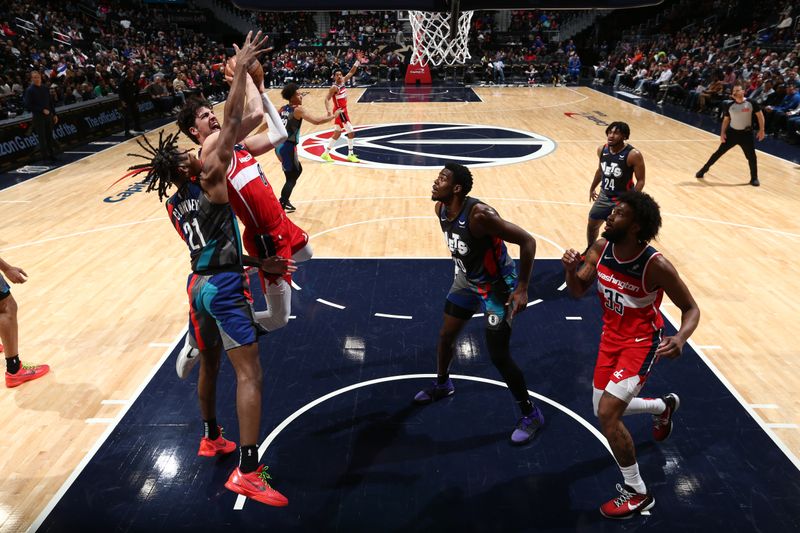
(268, 231)
(338, 94)
(631, 280)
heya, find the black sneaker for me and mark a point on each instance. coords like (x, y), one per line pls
(288, 207)
(700, 173)
(754, 182)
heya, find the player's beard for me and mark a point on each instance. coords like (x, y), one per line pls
(614, 235)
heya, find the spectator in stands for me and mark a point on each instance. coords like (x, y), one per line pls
(86, 92)
(38, 102)
(101, 89)
(574, 67)
(762, 93)
(776, 116)
(499, 75)
(160, 96)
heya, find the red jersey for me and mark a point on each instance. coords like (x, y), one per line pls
(251, 195)
(629, 310)
(340, 98)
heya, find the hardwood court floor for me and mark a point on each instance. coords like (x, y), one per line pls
(105, 296)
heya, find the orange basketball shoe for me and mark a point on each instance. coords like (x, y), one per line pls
(254, 485)
(26, 373)
(218, 446)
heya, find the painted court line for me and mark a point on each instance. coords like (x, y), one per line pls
(262, 449)
(401, 317)
(326, 302)
(100, 420)
(102, 439)
(783, 426)
(727, 384)
(573, 318)
(764, 406)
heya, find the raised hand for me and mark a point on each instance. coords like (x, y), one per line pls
(571, 259)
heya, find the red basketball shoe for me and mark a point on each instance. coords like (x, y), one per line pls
(254, 485)
(628, 503)
(662, 424)
(218, 446)
(26, 373)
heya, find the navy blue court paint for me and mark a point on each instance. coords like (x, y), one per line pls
(369, 460)
(421, 94)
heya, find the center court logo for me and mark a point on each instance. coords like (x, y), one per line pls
(430, 145)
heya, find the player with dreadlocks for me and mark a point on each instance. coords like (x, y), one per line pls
(268, 231)
(632, 277)
(220, 313)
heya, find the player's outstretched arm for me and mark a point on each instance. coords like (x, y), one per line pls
(301, 113)
(216, 166)
(352, 71)
(276, 131)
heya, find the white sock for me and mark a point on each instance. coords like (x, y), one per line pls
(638, 406)
(330, 145)
(350, 146)
(632, 478)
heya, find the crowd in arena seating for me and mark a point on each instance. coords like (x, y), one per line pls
(697, 68)
(84, 49)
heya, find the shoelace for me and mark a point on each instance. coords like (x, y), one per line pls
(29, 366)
(623, 497)
(264, 475)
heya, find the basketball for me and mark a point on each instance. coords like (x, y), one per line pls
(256, 71)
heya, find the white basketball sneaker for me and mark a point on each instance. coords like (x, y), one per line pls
(187, 358)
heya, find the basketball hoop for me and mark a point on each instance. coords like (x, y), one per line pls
(434, 40)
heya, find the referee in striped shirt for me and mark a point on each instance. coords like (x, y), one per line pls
(737, 128)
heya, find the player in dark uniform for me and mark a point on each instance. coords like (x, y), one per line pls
(220, 313)
(486, 279)
(632, 278)
(292, 115)
(737, 128)
(619, 164)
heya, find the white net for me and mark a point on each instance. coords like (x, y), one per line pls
(433, 42)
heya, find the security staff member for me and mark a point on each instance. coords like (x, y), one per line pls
(737, 128)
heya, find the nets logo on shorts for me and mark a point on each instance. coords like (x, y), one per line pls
(430, 145)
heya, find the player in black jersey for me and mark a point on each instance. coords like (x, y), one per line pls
(619, 164)
(292, 115)
(486, 278)
(220, 314)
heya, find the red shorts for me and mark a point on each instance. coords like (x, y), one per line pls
(623, 365)
(341, 118)
(284, 240)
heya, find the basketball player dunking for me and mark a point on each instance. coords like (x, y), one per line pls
(338, 94)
